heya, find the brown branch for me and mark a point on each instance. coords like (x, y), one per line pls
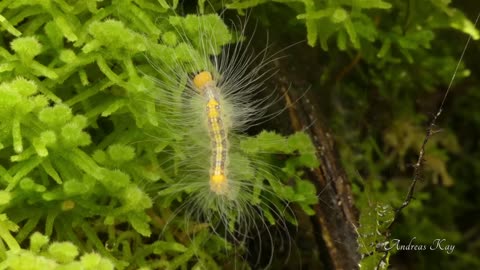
(335, 216)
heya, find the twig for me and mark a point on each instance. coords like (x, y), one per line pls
(429, 133)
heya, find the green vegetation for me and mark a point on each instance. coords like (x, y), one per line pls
(385, 66)
(85, 148)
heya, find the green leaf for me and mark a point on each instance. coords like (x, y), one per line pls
(140, 222)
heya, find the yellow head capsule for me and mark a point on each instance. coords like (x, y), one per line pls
(201, 79)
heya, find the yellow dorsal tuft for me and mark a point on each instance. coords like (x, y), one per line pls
(218, 184)
(218, 179)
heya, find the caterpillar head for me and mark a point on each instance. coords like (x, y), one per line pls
(202, 80)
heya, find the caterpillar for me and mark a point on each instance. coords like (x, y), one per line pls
(208, 93)
(218, 132)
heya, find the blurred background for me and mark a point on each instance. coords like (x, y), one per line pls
(377, 72)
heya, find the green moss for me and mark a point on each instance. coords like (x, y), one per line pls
(78, 162)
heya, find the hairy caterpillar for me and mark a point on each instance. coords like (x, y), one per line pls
(208, 93)
(207, 87)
